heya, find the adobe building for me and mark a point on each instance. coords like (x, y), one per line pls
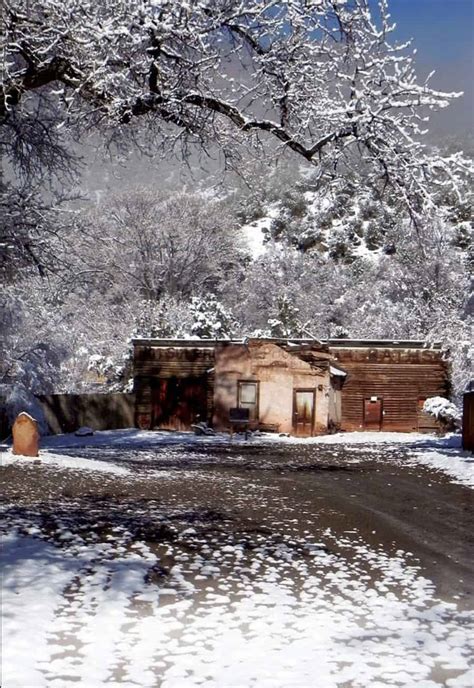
(286, 386)
(289, 387)
(296, 386)
(388, 383)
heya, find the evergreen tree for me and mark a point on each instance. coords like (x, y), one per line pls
(211, 319)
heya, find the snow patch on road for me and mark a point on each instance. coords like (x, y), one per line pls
(353, 438)
(33, 579)
(91, 617)
(62, 461)
(440, 453)
(133, 438)
(458, 465)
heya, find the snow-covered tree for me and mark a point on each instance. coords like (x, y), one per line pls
(163, 318)
(157, 244)
(33, 226)
(319, 78)
(287, 322)
(211, 319)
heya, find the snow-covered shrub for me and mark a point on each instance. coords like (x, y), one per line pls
(444, 411)
(339, 332)
(260, 333)
(103, 366)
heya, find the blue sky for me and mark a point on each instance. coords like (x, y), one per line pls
(443, 33)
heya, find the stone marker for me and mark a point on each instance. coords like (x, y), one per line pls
(25, 435)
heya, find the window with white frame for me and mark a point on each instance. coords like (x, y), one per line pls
(247, 397)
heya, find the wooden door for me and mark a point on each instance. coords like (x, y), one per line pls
(303, 412)
(373, 413)
(179, 402)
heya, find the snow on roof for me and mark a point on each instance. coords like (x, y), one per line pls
(184, 343)
(374, 343)
(290, 341)
(204, 343)
(337, 371)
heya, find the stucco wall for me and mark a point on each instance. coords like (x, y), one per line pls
(278, 373)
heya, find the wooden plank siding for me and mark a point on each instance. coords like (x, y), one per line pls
(401, 379)
(149, 361)
(154, 364)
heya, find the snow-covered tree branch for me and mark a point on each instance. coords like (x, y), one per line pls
(319, 77)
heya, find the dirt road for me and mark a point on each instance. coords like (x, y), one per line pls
(244, 488)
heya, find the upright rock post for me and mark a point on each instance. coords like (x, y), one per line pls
(25, 435)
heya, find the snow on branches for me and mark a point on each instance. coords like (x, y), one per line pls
(318, 77)
(211, 319)
(444, 411)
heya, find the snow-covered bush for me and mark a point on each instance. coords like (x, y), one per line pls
(339, 332)
(102, 366)
(444, 411)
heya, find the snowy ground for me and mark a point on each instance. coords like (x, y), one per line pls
(148, 559)
(439, 453)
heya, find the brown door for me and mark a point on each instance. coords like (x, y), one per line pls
(303, 412)
(179, 402)
(373, 413)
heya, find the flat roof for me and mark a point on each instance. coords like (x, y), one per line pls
(382, 343)
(205, 343)
(333, 343)
(195, 343)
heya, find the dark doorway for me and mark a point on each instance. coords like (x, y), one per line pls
(179, 402)
(373, 413)
(303, 412)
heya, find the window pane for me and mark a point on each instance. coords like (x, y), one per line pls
(248, 393)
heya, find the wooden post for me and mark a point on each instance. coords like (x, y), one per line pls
(468, 421)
